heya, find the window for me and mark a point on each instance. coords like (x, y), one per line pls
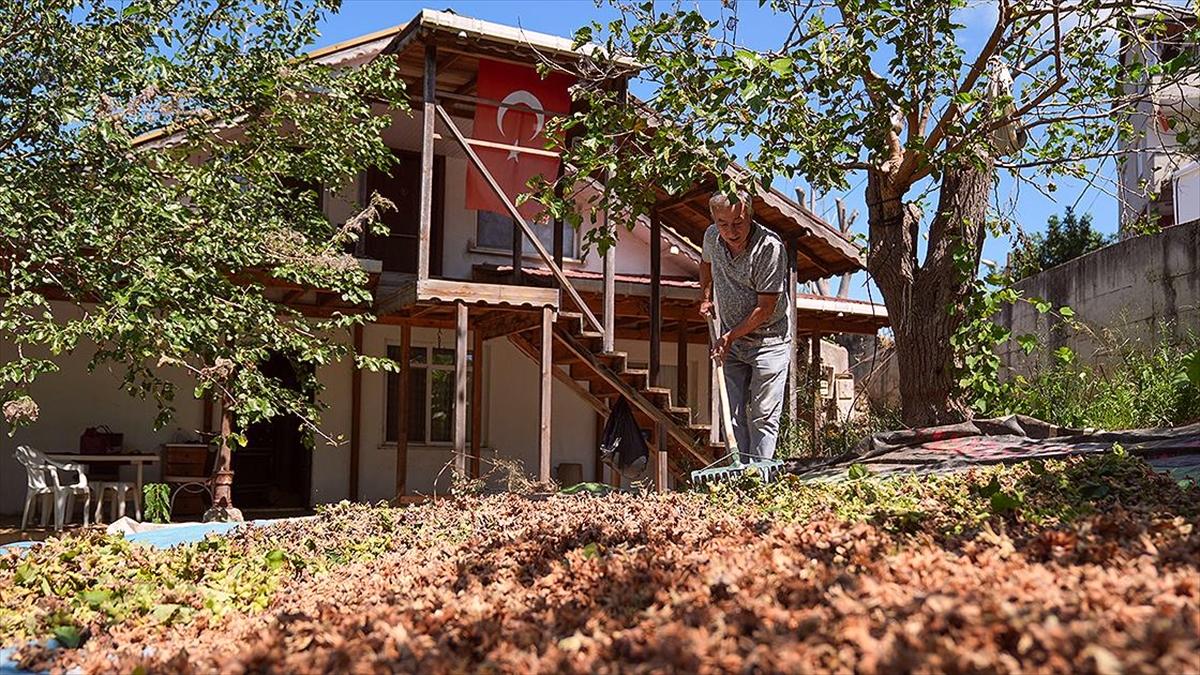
(494, 230)
(430, 396)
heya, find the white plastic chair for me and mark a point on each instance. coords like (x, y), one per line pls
(121, 492)
(43, 481)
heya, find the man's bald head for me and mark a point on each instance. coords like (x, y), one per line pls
(732, 217)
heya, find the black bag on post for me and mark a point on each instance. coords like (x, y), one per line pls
(623, 443)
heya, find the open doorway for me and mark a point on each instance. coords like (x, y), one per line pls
(274, 470)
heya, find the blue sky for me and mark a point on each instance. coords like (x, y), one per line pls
(756, 28)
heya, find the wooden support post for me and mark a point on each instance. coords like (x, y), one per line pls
(815, 377)
(355, 413)
(714, 397)
(793, 383)
(517, 272)
(681, 363)
(402, 412)
(610, 297)
(599, 466)
(662, 469)
(460, 388)
(429, 118)
(558, 223)
(545, 393)
(476, 400)
(655, 297)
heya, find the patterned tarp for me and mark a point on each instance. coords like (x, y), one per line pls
(958, 447)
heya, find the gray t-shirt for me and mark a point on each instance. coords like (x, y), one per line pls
(737, 280)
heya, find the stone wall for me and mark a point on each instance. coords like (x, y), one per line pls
(1140, 288)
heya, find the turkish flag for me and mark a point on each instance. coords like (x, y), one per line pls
(521, 121)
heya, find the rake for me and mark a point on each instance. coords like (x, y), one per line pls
(767, 469)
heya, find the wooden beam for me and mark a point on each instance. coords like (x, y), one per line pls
(793, 383)
(662, 471)
(427, 128)
(460, 389)
(714, 385)
(681, 363)
(562, 279)
(516, 260)
(355, 412)
(598, 468)
(609, 294)
(476, 400)
(558, 222)
(526, 347)
(450, 290)
(706, 186)
(634, 397)
(519, 149)
(402, 413)
(506, 324)
(545, 394)
(815, 378)
(655, 297)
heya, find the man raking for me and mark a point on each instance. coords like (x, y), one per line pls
(743, 285)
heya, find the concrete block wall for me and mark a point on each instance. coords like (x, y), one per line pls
(1138, 288)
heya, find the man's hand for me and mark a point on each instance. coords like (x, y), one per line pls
(720, 348)
(706, 309)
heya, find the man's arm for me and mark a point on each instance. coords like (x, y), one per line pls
(761, 312)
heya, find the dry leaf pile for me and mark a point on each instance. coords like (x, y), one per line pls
(684, 582)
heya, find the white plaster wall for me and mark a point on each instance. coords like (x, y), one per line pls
(72, 400)
(331, 463)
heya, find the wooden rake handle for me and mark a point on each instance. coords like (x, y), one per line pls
(723, 392)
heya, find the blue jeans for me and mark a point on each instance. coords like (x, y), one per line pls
(756, 376)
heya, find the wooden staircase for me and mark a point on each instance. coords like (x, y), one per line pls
(601, 378)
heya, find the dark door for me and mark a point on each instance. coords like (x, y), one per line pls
(274, 469)
(398, 249)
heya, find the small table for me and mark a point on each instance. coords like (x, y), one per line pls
(137, 459)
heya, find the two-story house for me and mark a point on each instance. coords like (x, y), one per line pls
(514, 345)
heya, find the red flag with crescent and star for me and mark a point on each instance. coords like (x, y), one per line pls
(527, 101)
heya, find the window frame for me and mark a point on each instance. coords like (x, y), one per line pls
(428, 365)
(571, 239)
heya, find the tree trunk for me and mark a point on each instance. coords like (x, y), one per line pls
(923, 299)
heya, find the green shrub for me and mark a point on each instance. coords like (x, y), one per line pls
(1145, 386)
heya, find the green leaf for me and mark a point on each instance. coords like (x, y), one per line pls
(1002, 502)
(1192, 368)
(1028, 342)
(858, 471)
(163, 613)
(95, 598)
(68, 636)
(590, 551)
(782, 66)
(276, 558)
